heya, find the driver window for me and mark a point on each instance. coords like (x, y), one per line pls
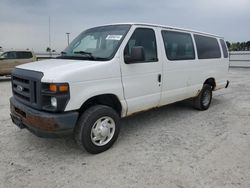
(145, 38)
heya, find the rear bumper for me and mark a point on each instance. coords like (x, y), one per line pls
(42, 124)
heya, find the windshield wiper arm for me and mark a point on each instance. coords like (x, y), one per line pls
(63, 52)
(82, 52)
(85, 53)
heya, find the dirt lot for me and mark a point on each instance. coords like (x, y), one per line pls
(174, 146)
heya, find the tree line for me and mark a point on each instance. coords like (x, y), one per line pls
(238, 46)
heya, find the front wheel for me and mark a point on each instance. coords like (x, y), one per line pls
(203, 100)
(97, 129)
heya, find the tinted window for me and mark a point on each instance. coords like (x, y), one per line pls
(145, 38)
(4, 55)
(207, 47)
(9, 55)
(178, 46)
(24, 55)
(224, 48)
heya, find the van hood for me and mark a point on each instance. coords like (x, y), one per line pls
(64, 70)
(54, 65)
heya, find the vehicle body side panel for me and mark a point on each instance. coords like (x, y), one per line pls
(140, 80)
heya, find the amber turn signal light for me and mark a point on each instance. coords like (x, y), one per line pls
(58, 87)
(63, 88)
(53, 87)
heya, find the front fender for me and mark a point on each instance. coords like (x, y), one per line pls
(80, 92)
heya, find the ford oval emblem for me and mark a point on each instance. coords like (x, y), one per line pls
(19, 88)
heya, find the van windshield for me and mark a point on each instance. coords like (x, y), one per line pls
(99, 43)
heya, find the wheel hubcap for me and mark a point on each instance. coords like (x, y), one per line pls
(206, 98)
(102, 131)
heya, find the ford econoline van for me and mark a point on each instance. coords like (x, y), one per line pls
(113, 71)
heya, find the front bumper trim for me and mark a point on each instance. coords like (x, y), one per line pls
(42, 124)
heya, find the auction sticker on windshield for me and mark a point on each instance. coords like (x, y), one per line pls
(114, 37)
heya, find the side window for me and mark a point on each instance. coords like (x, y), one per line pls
(145, 38)
(9, 55)
(178, 46)
(207, 47)
(224, 48)
(4, 55)
(24, 55)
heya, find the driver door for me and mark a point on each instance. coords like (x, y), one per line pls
(142, 80)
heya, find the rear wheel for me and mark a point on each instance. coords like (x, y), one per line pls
(203, 100)
(97, 129)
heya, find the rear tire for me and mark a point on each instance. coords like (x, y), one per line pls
(203, 100)
(97, 129)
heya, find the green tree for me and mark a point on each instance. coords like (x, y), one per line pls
(242, 46)
(248, 45)
(228, 45)
(237, 46)
(233, 46)
(48, 49)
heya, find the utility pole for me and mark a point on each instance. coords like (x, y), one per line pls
(68, 37)
(49, 38)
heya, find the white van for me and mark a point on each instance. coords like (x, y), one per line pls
(113, 71)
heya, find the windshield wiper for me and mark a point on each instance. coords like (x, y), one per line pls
(81, 57)
(85, 53)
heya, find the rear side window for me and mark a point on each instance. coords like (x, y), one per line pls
(178, 46)
(146, 38)
(207, 47)
(24, 55)
(224, 48)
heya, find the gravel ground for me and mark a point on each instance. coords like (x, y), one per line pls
(174, 146)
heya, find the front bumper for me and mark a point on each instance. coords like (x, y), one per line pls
(42, 124)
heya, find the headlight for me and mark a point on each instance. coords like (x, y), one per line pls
(55, 96)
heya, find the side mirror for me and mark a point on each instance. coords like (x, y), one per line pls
(137, 55)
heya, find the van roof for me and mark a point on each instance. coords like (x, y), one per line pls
(166, 27)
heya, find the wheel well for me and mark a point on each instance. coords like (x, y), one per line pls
(211, 82)
(105, 99)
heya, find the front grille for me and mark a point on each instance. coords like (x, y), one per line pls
(21, 88)
(26, 86)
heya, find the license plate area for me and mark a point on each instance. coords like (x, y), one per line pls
(17, 121)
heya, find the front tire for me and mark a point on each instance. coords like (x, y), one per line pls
(97, 129)
(203, 100)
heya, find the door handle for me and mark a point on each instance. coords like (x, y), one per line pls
(159, 78)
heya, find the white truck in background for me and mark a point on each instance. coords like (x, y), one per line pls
(112, 71)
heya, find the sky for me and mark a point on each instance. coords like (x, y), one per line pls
(25, 23)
